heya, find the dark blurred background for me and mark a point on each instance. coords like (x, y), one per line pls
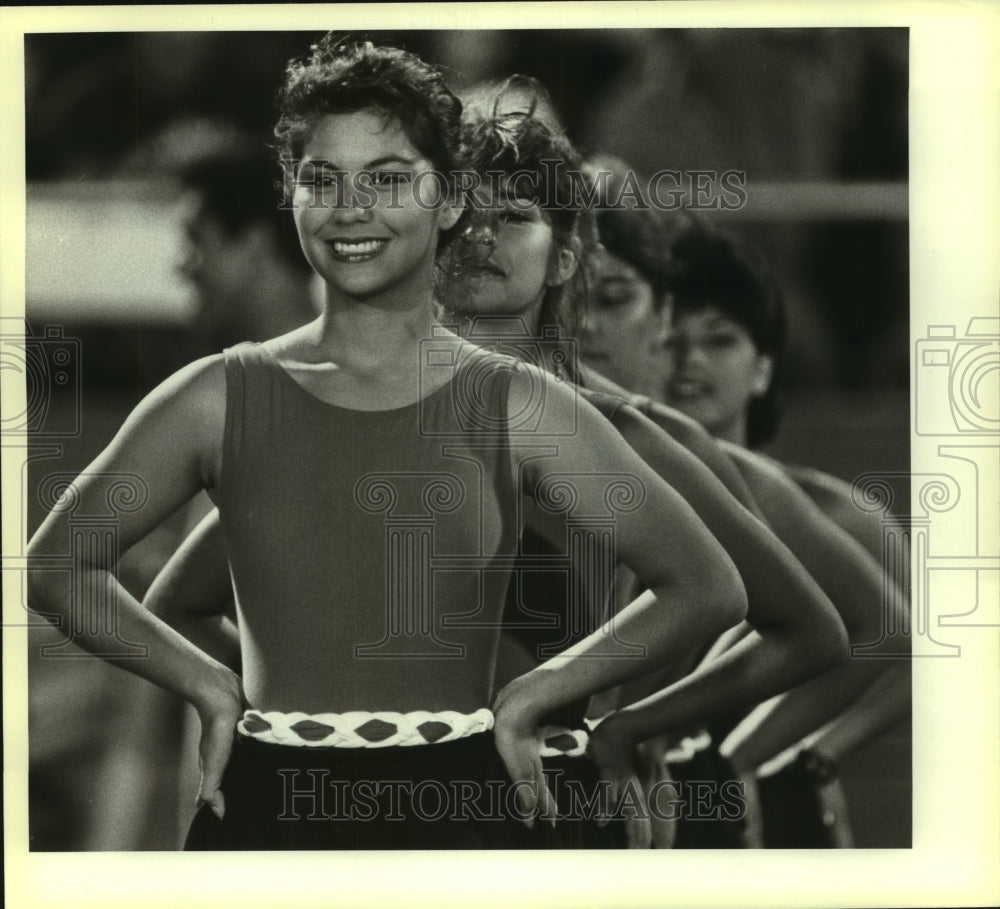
(816, 118)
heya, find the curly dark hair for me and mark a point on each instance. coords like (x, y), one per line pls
(342, 75)
(638, 236)
(709, 268)
(521, 139)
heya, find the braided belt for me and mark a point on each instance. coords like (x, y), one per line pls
(558, 741)
(681, 753)
(361, 729)
(687, 748)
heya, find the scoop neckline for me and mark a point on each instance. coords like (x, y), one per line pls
(304, 392)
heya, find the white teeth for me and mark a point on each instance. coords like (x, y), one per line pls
(363, 248)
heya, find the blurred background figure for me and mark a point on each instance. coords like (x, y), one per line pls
(243, 257)
(724, 353)
(238, 263)
(146, 275)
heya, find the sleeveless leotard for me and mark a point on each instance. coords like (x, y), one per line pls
(359, 539)
(370, 554)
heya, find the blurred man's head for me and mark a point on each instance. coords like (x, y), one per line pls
(243, 258)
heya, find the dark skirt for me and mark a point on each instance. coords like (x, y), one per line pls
(451, 795)
(792, 810)
(576, 786)
(711, 809)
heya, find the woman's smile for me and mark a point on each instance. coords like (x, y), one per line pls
(357, 250)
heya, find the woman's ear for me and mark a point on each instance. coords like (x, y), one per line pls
(451, 211)
(665, 319)
(762, 375)
(452, 208)
(563, 264)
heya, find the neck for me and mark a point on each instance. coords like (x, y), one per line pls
(526, 322)
(734, 431)
(378, 327)
(525, 326)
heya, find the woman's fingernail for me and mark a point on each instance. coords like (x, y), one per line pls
(217, 811)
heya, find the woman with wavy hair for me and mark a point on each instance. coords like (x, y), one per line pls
(517, 280)
(368, 469)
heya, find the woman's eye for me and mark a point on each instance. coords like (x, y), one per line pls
(310, 179)
(389, 178)
(509, 217)
(722, 340)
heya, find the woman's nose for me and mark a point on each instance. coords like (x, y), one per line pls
(685, 352)
(352, 206)
(189, 265)
(479, 238)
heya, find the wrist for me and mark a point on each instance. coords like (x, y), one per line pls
(821, 767)
(519, 699)
(218, 687)
(621, 726)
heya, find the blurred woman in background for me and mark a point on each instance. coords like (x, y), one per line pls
(630, 304)
(724, 352)
(516, 275)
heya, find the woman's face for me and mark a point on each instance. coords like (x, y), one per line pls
(622, 334)
(715, 371)
(368, 220)
(508, 271)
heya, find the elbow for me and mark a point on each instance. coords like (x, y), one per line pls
(836, 649)
(829, 643)
(862, 627)
(724, 589)
(883, 635)
(43, 596)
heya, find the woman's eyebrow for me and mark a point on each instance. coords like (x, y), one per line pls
(389, 159)
(512, 195)
(371, 165)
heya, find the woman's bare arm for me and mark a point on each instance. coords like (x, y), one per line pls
(694, 592)
(169, 448)
(833, 497)
(697, 440)
(193, 592)
(854, 580)
(882, 707)
(689, 433)
(798, 628)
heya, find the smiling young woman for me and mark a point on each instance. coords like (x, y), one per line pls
(368, 469)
